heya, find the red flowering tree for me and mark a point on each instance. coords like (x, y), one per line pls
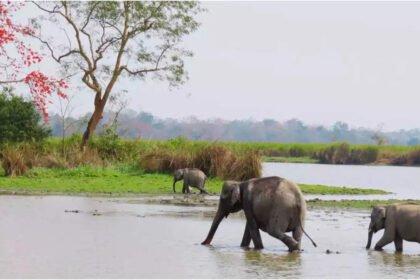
(17, 60)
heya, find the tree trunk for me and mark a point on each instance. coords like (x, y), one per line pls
(93, 122)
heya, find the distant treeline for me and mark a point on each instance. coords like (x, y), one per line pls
(133, 125)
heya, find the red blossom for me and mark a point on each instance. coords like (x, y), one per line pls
(13, 35)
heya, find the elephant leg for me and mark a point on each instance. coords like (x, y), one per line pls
(202, 190)
(185, 188)
(256, 238)
(297, 235)
(398, 243)
(385, 240)
(253, 230)
(246, 239)
(290, 242)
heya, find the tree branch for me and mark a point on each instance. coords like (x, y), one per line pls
(140, 72)
(11, 82)
(85, 25)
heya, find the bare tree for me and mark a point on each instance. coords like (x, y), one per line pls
(107, 40)
(65, 110)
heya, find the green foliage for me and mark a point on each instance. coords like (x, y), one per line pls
(19, 121)
(116, 180)
(108, 142)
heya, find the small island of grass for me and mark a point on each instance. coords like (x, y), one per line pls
(289, 159)
(359, 204)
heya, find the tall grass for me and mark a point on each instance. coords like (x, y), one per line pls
(226, 160)
(214, 160)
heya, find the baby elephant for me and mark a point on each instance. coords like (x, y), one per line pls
(401, 222)
(192, 177)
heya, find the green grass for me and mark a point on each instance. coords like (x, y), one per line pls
(117, 180)
(123, 179)
(290, 159)
(360, 204)
(320, 189)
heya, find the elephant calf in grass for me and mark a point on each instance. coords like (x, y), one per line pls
(272, 204)
(192, 177)
(401, 222)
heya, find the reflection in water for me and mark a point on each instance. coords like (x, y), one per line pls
(267, 264)
(236, 262)
(389, 262)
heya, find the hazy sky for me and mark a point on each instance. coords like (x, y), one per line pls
(357, 62)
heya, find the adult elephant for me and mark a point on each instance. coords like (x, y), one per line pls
(272, 204)
(401, 222)
(193, 177)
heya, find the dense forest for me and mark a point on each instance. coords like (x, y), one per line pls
(143, 125)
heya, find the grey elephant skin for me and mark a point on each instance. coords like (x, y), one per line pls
(272, 204)
(192, 177)
(401, 222)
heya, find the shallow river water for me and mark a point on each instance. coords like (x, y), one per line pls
(122, 238)
(402, 181)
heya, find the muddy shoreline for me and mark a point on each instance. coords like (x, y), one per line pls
(199, 200)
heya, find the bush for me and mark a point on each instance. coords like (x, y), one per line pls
(14, 162)
(414, 157)
(245, 167)
(108, 143)
(341, 153)
(19, 121)
(214, 160)
(344, 153)
(297, 152)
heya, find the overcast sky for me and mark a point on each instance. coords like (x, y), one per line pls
(321, 62)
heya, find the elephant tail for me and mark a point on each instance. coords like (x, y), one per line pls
(313, 242)
(302, 217)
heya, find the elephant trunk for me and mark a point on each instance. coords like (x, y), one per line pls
(174, 184)
(216, 221)
(369, 237)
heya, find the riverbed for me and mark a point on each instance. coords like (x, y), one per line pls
(81, 237)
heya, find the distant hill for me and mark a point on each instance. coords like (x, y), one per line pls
(142, 125)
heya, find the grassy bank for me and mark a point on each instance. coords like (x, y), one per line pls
(122, 179)
(290, 159)
(157, 155)
(359, 204)
(331, 153)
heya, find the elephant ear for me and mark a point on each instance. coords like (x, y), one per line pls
(235, 196)
(382, 212)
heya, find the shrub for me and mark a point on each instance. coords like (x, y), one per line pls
(108, 143)
(297, 152)
(90, 156)
(52, 161)
(214, 160)
(414, 157)
(369, 155)
(14, 162)
(20, 121)
(341, 153)
(246, 166)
